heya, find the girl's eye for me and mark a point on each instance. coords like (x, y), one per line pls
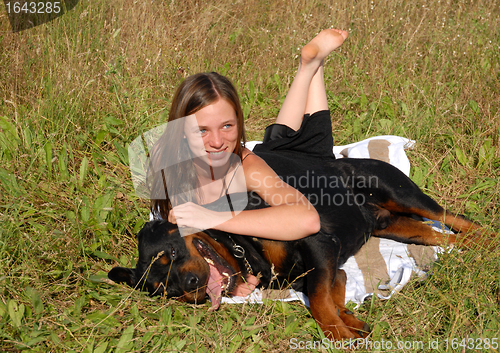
(227, 126)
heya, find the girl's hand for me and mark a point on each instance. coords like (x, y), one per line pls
(171, 217)
(192, 215)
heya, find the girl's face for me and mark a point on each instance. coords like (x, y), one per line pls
(212, 133)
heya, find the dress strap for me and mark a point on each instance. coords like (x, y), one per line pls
(225, 187)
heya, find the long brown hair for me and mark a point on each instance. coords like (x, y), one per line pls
(194, 93)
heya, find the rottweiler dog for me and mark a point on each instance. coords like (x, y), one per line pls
(356, 199)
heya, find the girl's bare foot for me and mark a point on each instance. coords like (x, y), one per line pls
(307, 92)
(319, 47)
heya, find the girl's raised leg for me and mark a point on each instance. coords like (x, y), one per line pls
(307, 92)
(316, 95)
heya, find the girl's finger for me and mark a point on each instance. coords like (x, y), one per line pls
(171, 217)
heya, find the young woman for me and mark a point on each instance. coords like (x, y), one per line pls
(206, 159)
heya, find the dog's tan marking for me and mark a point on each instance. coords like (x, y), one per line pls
(164, 260)
(275, 252)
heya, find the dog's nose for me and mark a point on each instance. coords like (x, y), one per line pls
(191, 281)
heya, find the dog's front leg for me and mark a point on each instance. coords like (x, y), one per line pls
(356, 325)
(320, 254)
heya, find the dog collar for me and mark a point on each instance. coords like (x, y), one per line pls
(239, 252)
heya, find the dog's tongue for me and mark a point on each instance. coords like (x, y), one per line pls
(214, 288)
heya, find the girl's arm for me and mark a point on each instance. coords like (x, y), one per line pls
(290, 216)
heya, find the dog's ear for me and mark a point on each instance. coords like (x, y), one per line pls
(145, 228)
(123, 275)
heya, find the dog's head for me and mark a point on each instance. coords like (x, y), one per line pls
(187, 268)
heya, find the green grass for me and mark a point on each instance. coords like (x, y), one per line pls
(76, 91)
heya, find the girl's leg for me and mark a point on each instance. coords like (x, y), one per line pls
(307, 92)
(316, 95)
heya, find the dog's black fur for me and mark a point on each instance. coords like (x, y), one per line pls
(384, 203)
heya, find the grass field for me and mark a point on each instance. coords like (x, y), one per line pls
(76, 91)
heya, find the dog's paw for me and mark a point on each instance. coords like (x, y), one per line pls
(358, 327)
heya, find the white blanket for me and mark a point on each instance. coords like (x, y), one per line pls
(382, 266)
